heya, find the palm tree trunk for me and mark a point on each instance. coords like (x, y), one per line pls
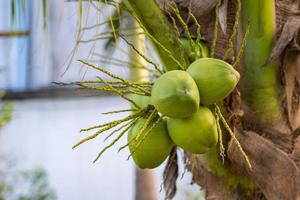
(144, 179)
(145, 187)
(259, 119)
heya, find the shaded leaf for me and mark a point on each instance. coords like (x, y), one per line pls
(170, 175)
(291, 66)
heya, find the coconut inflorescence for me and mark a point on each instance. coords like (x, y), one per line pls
(174, 110)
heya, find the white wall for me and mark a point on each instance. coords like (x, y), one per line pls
(52, 48)
(42, 133)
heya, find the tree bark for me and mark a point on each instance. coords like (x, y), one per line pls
(145, 187)
(273, 147)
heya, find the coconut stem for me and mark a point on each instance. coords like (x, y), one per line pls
(156, 26)
(199, 52)
(184, 25)
(221, 148)
(260, 82)
(243, 46)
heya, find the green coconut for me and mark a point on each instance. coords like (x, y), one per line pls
(154, 149)
(141, 100)
(175, 94)
(215, 79)
(195, 134)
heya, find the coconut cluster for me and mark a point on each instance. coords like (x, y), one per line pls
(183, 98)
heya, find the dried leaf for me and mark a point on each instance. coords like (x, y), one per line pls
(223, 15)
(289, 32)
(275, 173)
(296, 152)
(199, 8)
(291, 66)
(296, 42)
(170, 175)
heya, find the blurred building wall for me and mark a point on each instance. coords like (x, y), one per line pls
(50, 54)
(15, 51)
(43, 130)
(42, 133)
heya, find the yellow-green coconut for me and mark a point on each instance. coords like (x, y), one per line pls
(215, 79)
(195, 134)
(154, 149)
(175, 94)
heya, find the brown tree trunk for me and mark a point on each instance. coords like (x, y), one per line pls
(145, 185)
(144, 179)
(273, 147)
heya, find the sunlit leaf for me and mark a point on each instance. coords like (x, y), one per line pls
(44, 14)
(12, 9)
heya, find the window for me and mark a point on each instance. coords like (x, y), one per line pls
(14, 50)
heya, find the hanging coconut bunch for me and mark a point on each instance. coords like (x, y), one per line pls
(181, 96)
(178, 109)
(190, 102)
(174, 110)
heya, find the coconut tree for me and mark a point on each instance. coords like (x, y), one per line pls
(258, 151)
(144, 179)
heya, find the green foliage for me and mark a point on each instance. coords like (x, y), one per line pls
(6, 110)
(5, 113)
(39, 188)
(33, 182)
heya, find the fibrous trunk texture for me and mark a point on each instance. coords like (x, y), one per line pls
(273, 145)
